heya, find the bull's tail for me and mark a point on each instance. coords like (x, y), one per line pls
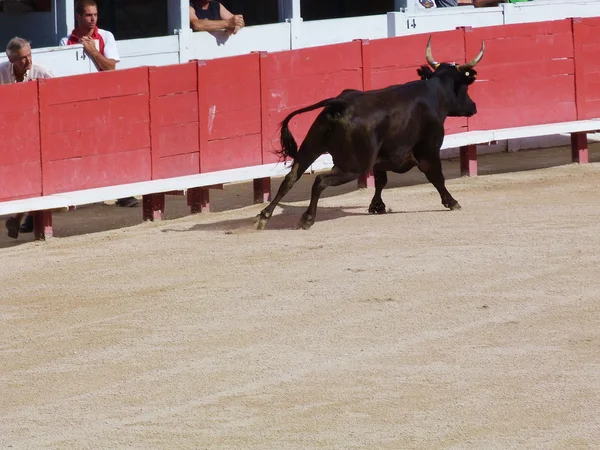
(289, 148)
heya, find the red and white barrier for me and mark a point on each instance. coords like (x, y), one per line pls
(149, 130)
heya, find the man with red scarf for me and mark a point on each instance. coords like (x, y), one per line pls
(100, 46)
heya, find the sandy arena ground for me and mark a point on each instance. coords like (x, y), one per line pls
(423, 329)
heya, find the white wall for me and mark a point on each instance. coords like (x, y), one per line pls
(62, 61)
(334, 31)
(268, 38)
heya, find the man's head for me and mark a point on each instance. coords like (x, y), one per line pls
(86, 12)
(458, 77)
(18, 51)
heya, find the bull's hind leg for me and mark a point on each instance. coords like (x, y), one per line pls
(334, 177)
(377, 206)
(298, 168)
(432, 168)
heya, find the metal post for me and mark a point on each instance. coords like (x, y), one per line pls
(64, 18)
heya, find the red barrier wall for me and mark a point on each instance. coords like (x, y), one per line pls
(526, 77)
(140, 124)
(174, 120)
(95, 130)
(20, 155)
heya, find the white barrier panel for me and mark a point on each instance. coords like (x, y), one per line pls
(268, 38)
(336, 31)
(538, 10)
(159, 51)
(443, 19)
(62, 61)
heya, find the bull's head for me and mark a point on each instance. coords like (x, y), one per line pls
(459, 77)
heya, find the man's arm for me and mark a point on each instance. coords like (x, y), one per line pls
(237, 19)
(207, 25)
(480, 3)
(102, 62)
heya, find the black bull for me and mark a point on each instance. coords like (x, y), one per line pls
(391, 129)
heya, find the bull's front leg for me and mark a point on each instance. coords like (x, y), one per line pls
(377, 206)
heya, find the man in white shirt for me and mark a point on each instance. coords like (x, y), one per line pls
(99, 44)
(19, 66)
(18, 69)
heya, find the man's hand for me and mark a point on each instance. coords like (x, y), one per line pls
(236, 21)
(88, 44)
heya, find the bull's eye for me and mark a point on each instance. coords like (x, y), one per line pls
(466, 74)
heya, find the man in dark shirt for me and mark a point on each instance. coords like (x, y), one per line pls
(210, 15)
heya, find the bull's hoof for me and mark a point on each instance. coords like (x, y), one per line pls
(260, 222)
(306, 222)
(377, 208)
(453, 207)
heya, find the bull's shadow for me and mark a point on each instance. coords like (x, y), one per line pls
(288, 216)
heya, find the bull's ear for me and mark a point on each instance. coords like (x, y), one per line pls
(424, 72)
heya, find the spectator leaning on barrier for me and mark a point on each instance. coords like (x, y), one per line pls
(209, 15)
(480, 3)
(101, 47)
(446, 3)
(17, 69)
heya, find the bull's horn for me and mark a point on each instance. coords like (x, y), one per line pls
(432, 62)
(475, 60)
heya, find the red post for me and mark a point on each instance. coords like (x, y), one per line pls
(42, 105)
(42, 224)
(153, 113)
(366, 180)
(580, 63)
(579, 148)
(202, 111)
(468, 160)
(154, 206)
(198, 199)
(262, 190)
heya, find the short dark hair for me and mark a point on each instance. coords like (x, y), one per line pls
(80, 6)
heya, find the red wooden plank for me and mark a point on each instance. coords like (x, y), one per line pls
(18, 151)
(120, 137)
(299, 92)
(455, 125)
(174, 79)
(515, 116)
(20, 180)
(591, 87)
(222, 125)
(177, 166)
(91, 114)
(232, 153)
(177, 140)
(19, 125)
(502, 50)
(202, 71)
(77, 88)
(526, 93)
(177, 109)
(315, 60)
(96, 171)
(19, 97)
(233, 96)
(366, 64)
(590, 55)
(385, 77)
(265, 94)
(226, 71)
(589, 28)
(525, 70)
(409, 51)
